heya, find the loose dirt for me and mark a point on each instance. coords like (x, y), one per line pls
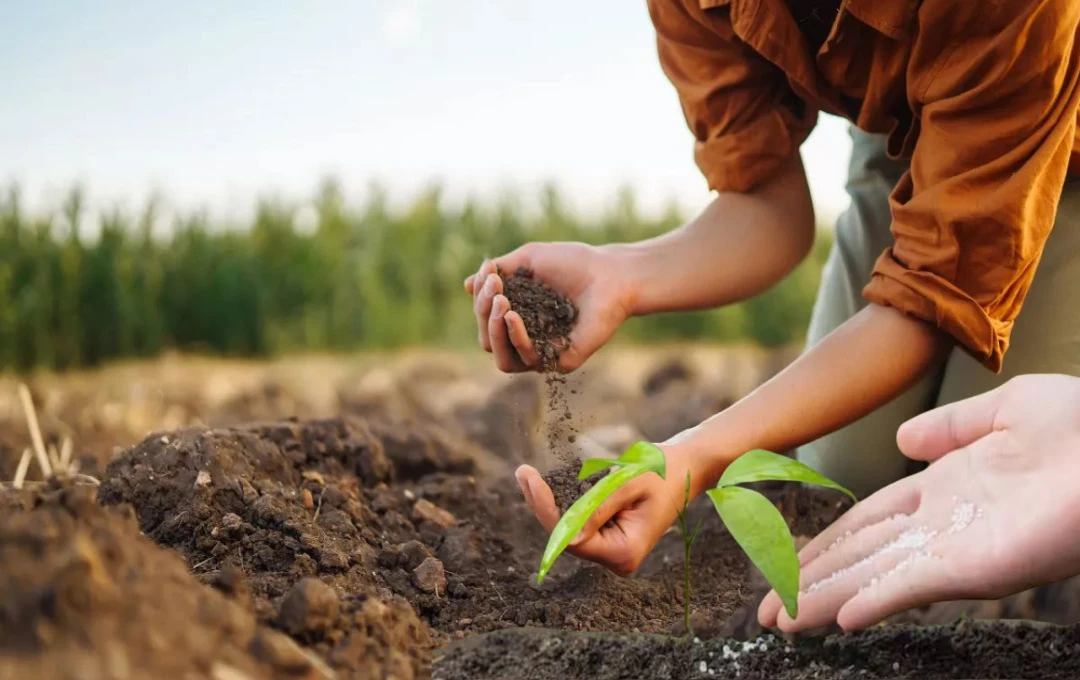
(965, 650)
(86, 596)
(565, 485)
(362, 545)
(549, 318)
(388, 514)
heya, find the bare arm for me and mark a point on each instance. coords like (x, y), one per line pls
(740, 245)
(863, 364)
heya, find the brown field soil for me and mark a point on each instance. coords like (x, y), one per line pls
(382, 528)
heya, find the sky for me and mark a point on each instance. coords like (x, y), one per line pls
(214, 103)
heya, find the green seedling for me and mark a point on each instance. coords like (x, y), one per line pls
(688, 544)
(637, 460)
(753, 521)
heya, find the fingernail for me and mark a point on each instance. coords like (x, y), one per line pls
(519, 475)
(578, 539)
(489, 285)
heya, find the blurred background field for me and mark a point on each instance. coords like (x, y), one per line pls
(324, 275)
(213, 214)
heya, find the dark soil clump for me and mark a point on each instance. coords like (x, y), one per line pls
(1003, 649)
(565, 485)
(548, 315)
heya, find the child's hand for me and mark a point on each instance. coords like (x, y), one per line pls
(640, 512)
(997, 512)
(590, 276)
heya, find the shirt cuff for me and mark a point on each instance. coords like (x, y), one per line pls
(739, 161)
(935, 300)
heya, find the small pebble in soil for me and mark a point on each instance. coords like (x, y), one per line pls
(310, 606)
(426, 511)
(430, 576)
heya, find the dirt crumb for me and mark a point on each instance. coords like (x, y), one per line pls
(310, 606)
(549, 318)
(548, 315)
(565, 485)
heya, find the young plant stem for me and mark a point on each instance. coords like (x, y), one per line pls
(688, 543)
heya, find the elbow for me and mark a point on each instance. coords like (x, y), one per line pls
(793, 211)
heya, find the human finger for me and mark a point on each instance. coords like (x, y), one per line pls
(519, 338)
(836, 576)
(538, 495)
(505, 358)
(931, 435)
(491, 287)
(894, 501)
(921, 579)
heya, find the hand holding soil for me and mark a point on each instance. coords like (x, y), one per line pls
(626, 527)
(997, 512)
(595, 289)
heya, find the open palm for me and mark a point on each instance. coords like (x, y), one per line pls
(996, 512)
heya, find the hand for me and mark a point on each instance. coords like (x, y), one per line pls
(996, 512)
(641, 511)
(589, 275)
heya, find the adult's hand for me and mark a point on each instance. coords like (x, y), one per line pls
(590, 276)
(996, 512)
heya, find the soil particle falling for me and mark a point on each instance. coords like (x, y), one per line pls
(549, 318)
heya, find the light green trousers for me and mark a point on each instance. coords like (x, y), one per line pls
(1045, 339)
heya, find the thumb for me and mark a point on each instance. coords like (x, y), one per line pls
(933, 434)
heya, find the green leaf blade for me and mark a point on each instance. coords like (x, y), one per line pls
(760, 466)
(593, 465)
(649, 455)
(640, 458)
(760, 530)
(575, 517)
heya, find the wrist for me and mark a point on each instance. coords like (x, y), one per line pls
(633, 264)
(704, 463)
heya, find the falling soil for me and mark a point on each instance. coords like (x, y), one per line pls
(971, 649)
(549, 318)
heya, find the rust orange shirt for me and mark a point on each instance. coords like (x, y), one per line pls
(980, 95)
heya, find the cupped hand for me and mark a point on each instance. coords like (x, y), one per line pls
(996, 512)
(626, 526)
(590, 276)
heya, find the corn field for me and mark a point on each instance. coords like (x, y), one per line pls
(363, 277)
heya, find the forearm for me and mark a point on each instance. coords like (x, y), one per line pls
(862, 365)
(740, 245)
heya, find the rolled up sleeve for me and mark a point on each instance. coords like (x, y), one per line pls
(745, 119)
(996, 113)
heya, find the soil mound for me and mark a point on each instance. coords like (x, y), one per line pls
(337, 500)
(84, 595)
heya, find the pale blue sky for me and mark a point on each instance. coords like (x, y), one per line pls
(213, 102)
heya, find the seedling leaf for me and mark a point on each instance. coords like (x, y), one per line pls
(760, 530)
(760, 465)
(640, 458)
(593, 465)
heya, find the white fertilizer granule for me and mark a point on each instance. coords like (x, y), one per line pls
(914, 539)
(963, 514)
